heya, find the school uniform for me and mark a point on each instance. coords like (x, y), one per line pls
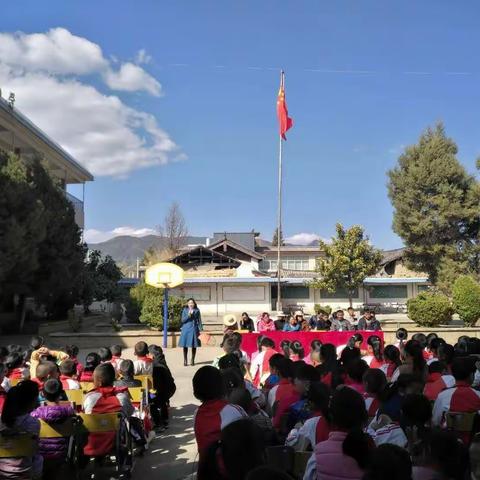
(211, 418)
(461, 398)
(68, 383)
(260, 367)
(437, 383)
(143, 366)
(105, 400)
(313, 431)
(371, 404)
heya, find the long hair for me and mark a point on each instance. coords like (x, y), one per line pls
(414, 350)
(18, 401)
(356, 337)
(193, 300)
(392, 354)
(375, 342)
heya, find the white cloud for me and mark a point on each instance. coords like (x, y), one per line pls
(92, 235)
(103, 133)
(142, 57)
(132, 78)
(302, 238)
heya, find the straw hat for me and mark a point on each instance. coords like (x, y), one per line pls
(229, 320)
(280, 315)
(298, 313)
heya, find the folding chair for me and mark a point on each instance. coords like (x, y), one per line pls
(17, 445)
(113, 423)
(86, 386)
(462, 424)
(300, 463)
(147, 381)
(281, 457)
(67, 429)
(75, 397)
(138, 397)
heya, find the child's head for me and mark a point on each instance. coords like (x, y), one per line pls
(127, 369)
(374, 345)
(389, 461)
(104, 375)
(416, 410)
(356, 369)
(297, 350)
(238, 338)
(408, 383)
(318, 397)
(374, 381)
(92, 360)
(445, 353)
(52, 390)
(347, 408)
(20, 400)
(429, 338)
(208, 384)
(348, 355)
(229, 345)
(46, 370)
(392, 354)
(141, 349)
(434, 344)
(68, 368)
(259, 342)
(267, 343)
(13, 360)
(71, 351)
(274, 362)
(156, 352)
(355, 340)
(304, 375)
(240, 396)
(36, 342)
(436, 367)
(231, 360)
(328, 353)
(421, 339)
(285, 347)
(463, 369)
(116, 350)
(232, 378)
(105, 354)
(284, 368)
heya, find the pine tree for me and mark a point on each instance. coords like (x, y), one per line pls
(436, 207)
(347, 261)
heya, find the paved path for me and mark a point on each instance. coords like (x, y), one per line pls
(172, 454)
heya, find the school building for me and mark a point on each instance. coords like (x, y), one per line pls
(237, 272)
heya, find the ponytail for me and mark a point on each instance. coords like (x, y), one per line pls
(376, 344)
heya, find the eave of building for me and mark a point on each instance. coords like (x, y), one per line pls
(25, 132)
(236, 246)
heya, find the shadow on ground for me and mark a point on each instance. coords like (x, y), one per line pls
(169, 455)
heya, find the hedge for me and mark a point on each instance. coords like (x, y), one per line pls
(466, 299)
(430, 309)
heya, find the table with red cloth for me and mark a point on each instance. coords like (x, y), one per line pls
(249, 340)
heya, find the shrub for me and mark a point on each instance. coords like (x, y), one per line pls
(137, 294)
(466, 299)
(322, 308)
(430, 309)
(152, 310)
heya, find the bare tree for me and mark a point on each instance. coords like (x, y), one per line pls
(174, 228)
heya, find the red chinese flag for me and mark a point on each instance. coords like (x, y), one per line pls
(284, 121)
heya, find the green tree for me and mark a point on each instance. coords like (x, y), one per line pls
(99, 279)
(466, 299)
(436, 206)
(61, 253)
(22, 226)
(347, 261)
(275, 238)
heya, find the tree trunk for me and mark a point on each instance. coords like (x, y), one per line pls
(350, 300)
(22, 311)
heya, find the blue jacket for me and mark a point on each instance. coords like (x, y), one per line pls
(290, 328)
(191, 328)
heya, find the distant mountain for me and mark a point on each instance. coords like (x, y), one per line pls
(126, 249)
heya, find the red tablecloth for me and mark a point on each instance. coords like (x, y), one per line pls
(249, 341)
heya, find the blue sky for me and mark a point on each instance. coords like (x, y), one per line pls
(363, 79)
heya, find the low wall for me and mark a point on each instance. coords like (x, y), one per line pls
(130, 338)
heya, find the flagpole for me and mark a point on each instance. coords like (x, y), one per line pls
(279, 219)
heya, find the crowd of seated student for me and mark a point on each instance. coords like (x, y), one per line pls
(33, 386)
(364, 414)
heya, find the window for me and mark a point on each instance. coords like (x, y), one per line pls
(288, 263)
(292, 292)
(388, 291)
(422, 288)
(339, 293)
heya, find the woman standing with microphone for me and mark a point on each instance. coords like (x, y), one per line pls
(191, 328)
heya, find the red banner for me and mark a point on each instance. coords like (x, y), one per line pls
(249, 340)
